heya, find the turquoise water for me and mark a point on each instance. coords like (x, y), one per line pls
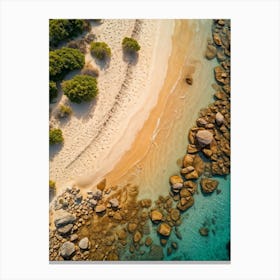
(211, 211)
(214, 212)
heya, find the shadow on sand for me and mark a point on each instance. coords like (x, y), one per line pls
(54, 149)
(84, 110)
(130, 57)
(103, 63)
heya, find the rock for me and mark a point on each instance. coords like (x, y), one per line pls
(65, 229)
(207, 152)
(156, 216)
(204, 137)
(188, 160)
(137, 236)
(189, 80)
(211, 52)
(175, 179)
(192, 175)
(191, 186)
(198, 164)
(84, 243)
(97, 195)
(114, 203)
(156, 253)
(217, 39)
(221, 75)
(67, 250)
(192, 149)
(220, 95)
(187, 170)
(219, 118)
(209, 126)
(100, 208)
(65, 219)
(185, 192)
(176, 187)
(163, 241)
(102, 185)
(148, 241)
(164, 229)
(169, 251)
(79, 199)
(208, 185)
(184, 204)
(201, 122)
(221, 55)
(175, 214)
(74, 237)
(145, 203)
(178, 234)
(174, 245)
(117, 216)
(113, 256)
(121, 234)
(204, 231)
(131, 227)
(93, 202)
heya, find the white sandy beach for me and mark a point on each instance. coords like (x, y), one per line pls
(98, 134)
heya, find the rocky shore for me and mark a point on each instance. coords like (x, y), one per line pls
(110, 221)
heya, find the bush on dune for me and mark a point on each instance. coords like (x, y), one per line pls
(130, 45)
(64, 60)
(64, 29)
(52, 90)
(100, 50)
(64, 111)
(55, 136)
(82, 88)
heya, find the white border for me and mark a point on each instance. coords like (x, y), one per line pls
(255, 138)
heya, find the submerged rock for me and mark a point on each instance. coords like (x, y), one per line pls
(137, 236)
(208, 185)
(211, 52)
(175, 214)
(185, 203)
(204, 231)
(148, 241)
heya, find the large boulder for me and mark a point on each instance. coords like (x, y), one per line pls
(176, 183)
(164, 229)
(188, 160)
(156, 216)
(204, 137)
(67, 250)
(191, 186)
(84, 243)
(64, 219)
(208, 185)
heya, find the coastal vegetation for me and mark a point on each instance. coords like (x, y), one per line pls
(100, 50)
(130, 45)
(55, 136)
(64, 111)
(64, 60)
(64, 29)
(81, 88)
(52, 90)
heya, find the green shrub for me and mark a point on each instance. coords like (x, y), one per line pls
(52, 184)
(64, 111)
(52, 90)
(90, 71)
(130, 44)
(80, 88)
(64, 60)
(100, 50)
(63, 29)
(55, 136)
